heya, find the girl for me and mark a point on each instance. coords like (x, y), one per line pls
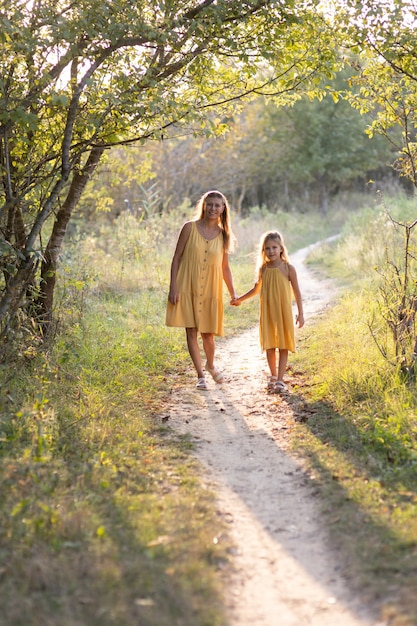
(276, 279)
(199, 266)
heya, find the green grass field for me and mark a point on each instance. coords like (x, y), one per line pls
(103, 516)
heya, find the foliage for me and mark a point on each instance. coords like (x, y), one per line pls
(382, 48)
(294, 158)
(78, 79)
(378, 246)
(377, 254)
(326, 148)
(385, 72)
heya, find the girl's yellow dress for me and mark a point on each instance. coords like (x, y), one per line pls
(200, 285)
(276, 325)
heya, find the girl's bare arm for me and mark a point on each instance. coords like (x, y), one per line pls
(292, 274)
(249, 294)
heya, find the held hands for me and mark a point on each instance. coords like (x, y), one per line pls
(235, 301)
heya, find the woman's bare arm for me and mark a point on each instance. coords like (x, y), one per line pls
(179, 250)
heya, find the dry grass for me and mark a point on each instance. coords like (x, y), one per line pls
(360, 439)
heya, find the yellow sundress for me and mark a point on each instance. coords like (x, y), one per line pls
(276, 325)
(200, 285)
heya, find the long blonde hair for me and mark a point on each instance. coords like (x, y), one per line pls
(262, 258)
(229, 240)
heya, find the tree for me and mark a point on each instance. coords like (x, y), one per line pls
(79, 78)
(383, 55)
(236, 162)
(397, 299)
(270, 156)
(328, 148)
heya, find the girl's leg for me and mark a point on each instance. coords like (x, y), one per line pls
(282, 364)
(194, 350)
(209, 348)
(271, 356)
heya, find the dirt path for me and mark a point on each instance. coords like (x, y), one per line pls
(283, 571)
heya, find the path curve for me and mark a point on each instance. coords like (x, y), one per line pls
(284, 573)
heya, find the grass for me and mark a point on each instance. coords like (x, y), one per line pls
(360, 440)
(103, 516)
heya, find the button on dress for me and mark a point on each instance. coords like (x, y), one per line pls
(199, 285)
(276, 326)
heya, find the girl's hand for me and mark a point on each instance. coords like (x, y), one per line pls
(299, 320)
(235, 301)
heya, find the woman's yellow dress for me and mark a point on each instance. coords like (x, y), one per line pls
(199, 285)
(276, 326)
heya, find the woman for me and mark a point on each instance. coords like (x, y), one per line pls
(199, 266)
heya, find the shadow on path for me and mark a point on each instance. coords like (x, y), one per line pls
(284, 570)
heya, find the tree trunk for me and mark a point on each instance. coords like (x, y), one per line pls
(240, 199)
(323, 196)
(16, 289)
(49, 264)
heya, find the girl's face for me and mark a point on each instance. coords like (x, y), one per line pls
(213, 207)
(272, 249)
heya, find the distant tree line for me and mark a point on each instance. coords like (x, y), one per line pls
(297, 156)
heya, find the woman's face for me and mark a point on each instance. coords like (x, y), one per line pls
(213, 207)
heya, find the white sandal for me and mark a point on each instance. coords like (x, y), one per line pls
(280, 387)
(201, 384)
(218, 376)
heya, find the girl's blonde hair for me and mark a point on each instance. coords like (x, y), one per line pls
(229, 240)
(262, 258)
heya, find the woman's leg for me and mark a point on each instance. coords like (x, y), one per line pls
(282, 365)
(194, 350)
(209, 347)
(271, 356)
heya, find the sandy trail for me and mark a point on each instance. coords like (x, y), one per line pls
(284, 573)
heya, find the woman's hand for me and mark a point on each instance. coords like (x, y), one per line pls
(173, 296)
